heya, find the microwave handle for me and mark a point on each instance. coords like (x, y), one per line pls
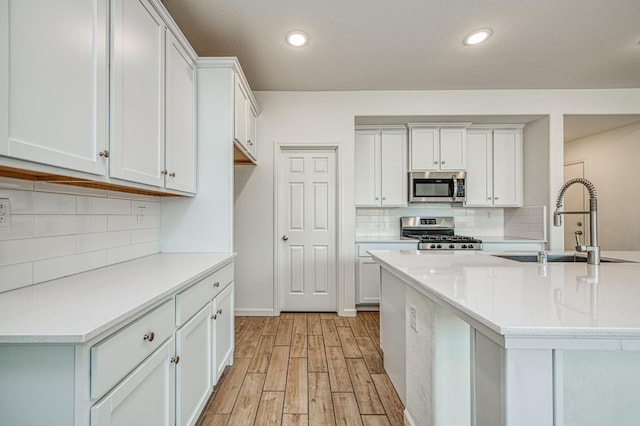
(455, 187)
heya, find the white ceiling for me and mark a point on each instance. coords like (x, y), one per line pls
(417, 44)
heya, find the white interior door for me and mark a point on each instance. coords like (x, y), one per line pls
(307, 230)
(575, 199)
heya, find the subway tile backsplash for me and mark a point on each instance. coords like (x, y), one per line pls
(59, 230)
(523, 222)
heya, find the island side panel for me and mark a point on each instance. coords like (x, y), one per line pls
(392, 330)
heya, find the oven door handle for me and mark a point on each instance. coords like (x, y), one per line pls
(455, 187)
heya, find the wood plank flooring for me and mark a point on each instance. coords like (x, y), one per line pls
(306, 369)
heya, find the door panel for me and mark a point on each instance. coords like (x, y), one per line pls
(307, 226)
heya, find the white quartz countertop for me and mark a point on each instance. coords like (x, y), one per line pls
(383, 239)
(77, 308)
(503, 239)
(519, 299)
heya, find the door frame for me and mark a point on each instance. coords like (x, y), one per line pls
(279, 147)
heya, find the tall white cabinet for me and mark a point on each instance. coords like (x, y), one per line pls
(54, 95)
(381, 166)
(495, 176)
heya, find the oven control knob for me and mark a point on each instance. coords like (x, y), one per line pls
(464, 246)
(433, 246)
(451, 246)
(439, 246)
(470, 246)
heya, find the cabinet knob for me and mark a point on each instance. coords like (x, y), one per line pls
(216, 284)
(495, 198)
(104, 154)
(488, 198)
(175, 359)
(377, 198)
(384, 198)
(172, 174)
(249, 142)
(285, 238)
(219, 311)
(164, 172)
(149, 336)
(442, 162)
(215, 317)
(435, 162)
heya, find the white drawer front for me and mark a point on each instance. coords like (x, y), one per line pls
(190, 301)
(113, 358)
(362, 248)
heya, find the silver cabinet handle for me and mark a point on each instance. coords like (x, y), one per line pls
(104, 154)
(149, 336)
(219, 311)
(175, 359)
(164, 172)
(285, 238)
(172, 174)
(216, 284)
(215, 317)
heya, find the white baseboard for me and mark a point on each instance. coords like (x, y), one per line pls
(408, 421)
(239, 312)
(348, 313)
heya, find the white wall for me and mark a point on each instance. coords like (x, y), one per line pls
(59, 230)
(612, 166)
(328, 117)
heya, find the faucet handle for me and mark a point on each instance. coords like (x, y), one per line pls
(579, 246)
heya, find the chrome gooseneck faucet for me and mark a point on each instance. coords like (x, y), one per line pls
(592, 250)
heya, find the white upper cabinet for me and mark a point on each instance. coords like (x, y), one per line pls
(180, 140)
(381, 167)
(137, 78)
(245, 119)
(54, 82)
(494, 173)
(434, 148)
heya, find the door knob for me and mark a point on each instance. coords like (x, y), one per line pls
(285, 238)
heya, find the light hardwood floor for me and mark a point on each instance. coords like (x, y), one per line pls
(306, 369)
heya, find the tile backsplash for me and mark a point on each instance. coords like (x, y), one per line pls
(59, 230)
(524, 222)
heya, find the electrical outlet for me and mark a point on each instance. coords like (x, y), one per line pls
(5, 214)
(140, 215)
(413, 313)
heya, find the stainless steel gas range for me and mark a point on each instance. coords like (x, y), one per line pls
(436, 233)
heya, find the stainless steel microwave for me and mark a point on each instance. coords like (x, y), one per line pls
(437, 187)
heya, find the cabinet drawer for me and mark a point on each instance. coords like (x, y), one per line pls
(195, 297)
(362, 248)
(120, 353)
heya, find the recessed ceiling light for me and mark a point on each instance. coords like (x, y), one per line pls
(297, 38)
(478, 36)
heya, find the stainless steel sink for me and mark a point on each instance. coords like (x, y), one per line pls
(566, 258)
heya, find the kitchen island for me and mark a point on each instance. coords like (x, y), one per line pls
(474, 339)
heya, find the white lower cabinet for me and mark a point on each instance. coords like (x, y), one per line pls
(222, 324)
(193, 381)
(144, 397)
(368, 271)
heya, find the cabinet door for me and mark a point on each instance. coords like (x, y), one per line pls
(193, 378)
(180, 140)
(223, 343)
(241, 100)
(507, 167)
(144, 397)
(368, 281)
(479, 183)
(453, 153)
(53, 82)
(393, 171)
(367, 180)
(252, 132)
(137, 114)
(425, 149)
